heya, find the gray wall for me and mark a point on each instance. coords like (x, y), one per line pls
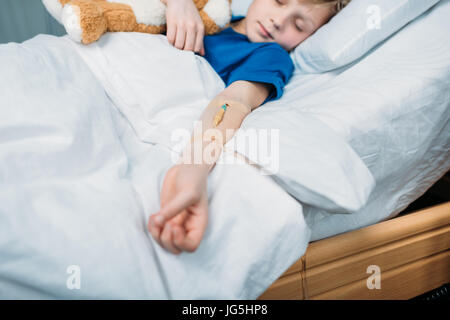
(21, 20)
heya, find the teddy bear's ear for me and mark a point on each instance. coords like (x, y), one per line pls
(216, 15)
(54, 7)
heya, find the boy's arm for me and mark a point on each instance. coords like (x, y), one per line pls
(242, 97)
(248, 92)
(184, 185)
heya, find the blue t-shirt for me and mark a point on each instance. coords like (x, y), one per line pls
(234, 57)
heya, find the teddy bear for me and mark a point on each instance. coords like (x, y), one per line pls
(86, 21)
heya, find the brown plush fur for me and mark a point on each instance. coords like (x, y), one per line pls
(100, 16)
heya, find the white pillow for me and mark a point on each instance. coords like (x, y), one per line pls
(359, 27)
(305, 157)
(349, 35)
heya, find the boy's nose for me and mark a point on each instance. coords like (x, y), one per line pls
(276, 25)
(279, 17)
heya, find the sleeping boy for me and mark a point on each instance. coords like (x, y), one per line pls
(252, 58)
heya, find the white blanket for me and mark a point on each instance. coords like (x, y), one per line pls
(77, 186)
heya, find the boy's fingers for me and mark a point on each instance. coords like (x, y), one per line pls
(180, 38)
(174, 207)
(198, 41)
(171, 33)
(155, 230)
(166, 240)
(192, 238)
(178, 237)
(190, 41)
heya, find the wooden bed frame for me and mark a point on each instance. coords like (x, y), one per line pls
(411, 251)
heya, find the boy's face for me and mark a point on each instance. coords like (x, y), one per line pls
(288, 22)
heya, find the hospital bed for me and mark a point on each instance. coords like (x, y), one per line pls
(87, 136)
(412, 250)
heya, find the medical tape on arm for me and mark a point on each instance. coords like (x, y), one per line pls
(220, 115)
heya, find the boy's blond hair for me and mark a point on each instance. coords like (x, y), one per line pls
(337, 4)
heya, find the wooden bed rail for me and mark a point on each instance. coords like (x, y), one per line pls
(411, 252)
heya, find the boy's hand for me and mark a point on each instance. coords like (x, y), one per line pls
(185, 29)
(184, 209)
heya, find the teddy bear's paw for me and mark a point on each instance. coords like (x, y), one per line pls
(54, 7)
(71, 20)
